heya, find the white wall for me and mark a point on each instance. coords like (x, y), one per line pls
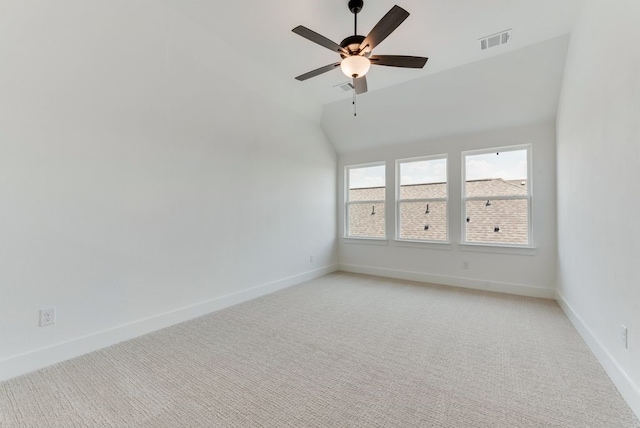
(521, 271)
(141, 174)
(599, 186)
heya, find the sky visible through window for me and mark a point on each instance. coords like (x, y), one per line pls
(511, 165)
(423, 172)
(371, 176)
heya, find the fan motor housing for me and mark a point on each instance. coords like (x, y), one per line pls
(355, 6)
(352, 44)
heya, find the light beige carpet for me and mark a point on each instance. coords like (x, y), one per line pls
(341, 351)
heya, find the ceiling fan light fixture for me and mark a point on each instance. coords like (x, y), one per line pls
(355, 65)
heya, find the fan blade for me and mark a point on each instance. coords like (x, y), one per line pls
(360, 84)
(317, 38)
(317, 71)
(384, 27)
(398, 61)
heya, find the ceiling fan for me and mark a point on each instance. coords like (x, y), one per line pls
(355, 50)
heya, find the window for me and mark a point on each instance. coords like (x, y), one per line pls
(497, 196)
(365, 201)
(422, 199)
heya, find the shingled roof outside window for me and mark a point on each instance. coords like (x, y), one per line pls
(512, 214)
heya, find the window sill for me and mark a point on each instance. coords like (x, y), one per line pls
(499, 249)
(431, 245)
(365, 241)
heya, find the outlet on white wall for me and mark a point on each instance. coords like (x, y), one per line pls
(310, 259)
(623, 335)
(47, 316)
(465, 264)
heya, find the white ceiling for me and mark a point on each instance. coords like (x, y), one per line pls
(446, 31)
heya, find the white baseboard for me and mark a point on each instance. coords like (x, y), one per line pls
(500, 287)
(628, 389)
(39, 358)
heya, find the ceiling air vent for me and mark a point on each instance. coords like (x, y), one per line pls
(495, 39)
(344, 87)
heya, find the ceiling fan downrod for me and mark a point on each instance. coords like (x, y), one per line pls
(355, 6)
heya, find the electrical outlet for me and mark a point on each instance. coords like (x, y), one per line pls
(623, 335)
(310, 259)
(47, 316)
(465, 265)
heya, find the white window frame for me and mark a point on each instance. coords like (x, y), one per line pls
(444, 156)
(347, 203)
(528, 197)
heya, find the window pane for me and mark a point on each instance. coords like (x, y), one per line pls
(496, 187)
(501, 221)
(366, 177)
(496, 174)
(423, 191)
(423, 179)
(366, 220)
(422, 220)
(367, 194)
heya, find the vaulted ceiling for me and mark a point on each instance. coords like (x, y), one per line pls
(516, 88)
(459, 82)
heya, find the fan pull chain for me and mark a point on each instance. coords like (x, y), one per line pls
(355, 113)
